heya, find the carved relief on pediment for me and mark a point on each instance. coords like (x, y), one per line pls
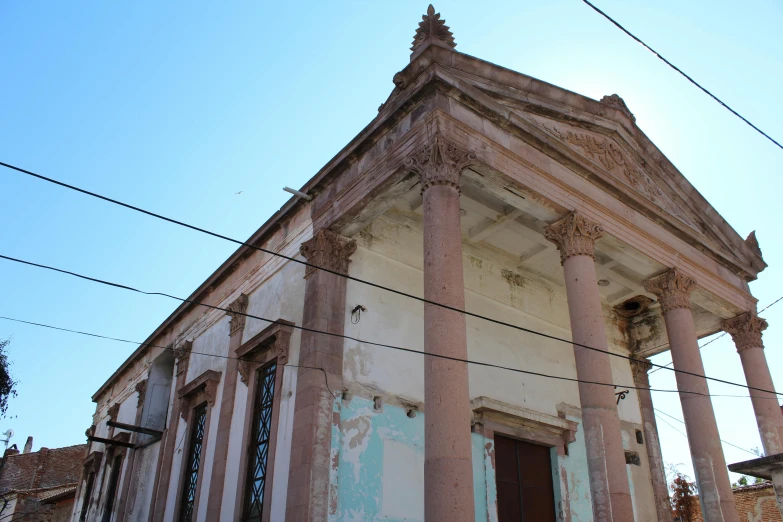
(611, 157)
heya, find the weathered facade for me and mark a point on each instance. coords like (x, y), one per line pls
(475, 188)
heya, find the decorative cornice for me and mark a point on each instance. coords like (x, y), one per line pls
(673, 289)
(746, 330)
(237, 309)
(328, 250)
(639, 368)
(279, 347)
(439, 162)
(182, 356)
(753, 243)
(113, 411)
(614, 100)
(574, 235)
(432, 30)
(141, 388)
(202, 388)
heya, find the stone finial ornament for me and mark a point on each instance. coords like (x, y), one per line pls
(328, 250)
(432, 30)
(615, 101)
(746, 330)
(237, 309)
(439, 162)
(753, 243)
(673, 289)
(574, 235)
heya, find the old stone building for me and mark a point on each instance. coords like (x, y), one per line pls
(572, 243)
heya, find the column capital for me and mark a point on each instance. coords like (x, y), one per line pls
(639, 368)
(746, 330)
(237, 309)
(574, 235)
(673, 289)
(439, 162)
(328, 250)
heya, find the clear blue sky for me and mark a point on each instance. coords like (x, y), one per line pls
(176, 106)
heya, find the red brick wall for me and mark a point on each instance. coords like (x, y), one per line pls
(43, 469)
(752, 501)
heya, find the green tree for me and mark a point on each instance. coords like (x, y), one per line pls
(7, 383)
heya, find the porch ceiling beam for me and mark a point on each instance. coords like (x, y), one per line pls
(482, 232)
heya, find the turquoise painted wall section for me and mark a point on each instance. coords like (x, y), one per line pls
(377, 469)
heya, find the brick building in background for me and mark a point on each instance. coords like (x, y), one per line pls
(755, 503)
(39, 486)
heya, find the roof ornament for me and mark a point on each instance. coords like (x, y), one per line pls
(753, 243)
(432, 30)
(615, 101)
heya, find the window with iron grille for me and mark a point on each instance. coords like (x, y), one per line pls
(87, 495)
(111, 491)
(258, 451)
(193, 464)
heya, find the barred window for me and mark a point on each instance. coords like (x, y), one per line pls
(193, 464)
(111, 491)
(87, 495)
(258, 452)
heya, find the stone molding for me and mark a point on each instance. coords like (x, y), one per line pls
(522, 422)
(92, 462)
(673, 289)
(182, 356)
(753, 244)
(201, 389)
(746, 330)
(141, 389)
(329, 250)
(432, 29)
(439, 162)
(271, 343)
(237, 310)
(639, 368)
(113, 411)
(574, 235)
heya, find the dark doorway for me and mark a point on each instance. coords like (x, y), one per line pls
(523, 473)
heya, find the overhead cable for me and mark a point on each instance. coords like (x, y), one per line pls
(361, 341)
(351, 278)
(683, 422)
(694, 82)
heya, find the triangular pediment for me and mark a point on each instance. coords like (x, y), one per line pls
(601, 135)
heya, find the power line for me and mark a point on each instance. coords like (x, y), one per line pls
(718, 337)
(694, 82)
(683, 422)
(342, 336)
(351, 278)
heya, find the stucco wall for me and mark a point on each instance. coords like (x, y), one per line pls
(367, 441)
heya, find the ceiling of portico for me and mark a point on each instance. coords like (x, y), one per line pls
(505, 226)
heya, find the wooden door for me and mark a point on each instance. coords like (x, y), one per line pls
(523, 474)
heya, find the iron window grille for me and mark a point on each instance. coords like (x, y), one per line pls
(193, 464)
(87, 495)
(258, 452)
(111, 491)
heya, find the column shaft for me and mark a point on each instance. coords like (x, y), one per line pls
(651, 441)
(611, 494)
(709, 464)
(448, 469)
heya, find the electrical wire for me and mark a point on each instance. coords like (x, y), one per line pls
(715, 339)
(683, 422)
(351, 278)
(694, 82)
(348, 337)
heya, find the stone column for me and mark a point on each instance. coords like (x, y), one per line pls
(651, 441)
(448, 470)
(575, 239)
(712, 477)
(325, 311)
(746, 330)
(216, 483)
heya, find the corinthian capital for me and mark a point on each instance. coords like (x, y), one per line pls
(439, 162)
(639, 368)
(746, 330)
(673, 289)
(574, 235)
(328, 250)
(237, 309)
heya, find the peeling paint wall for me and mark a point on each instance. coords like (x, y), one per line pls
(390, 252)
